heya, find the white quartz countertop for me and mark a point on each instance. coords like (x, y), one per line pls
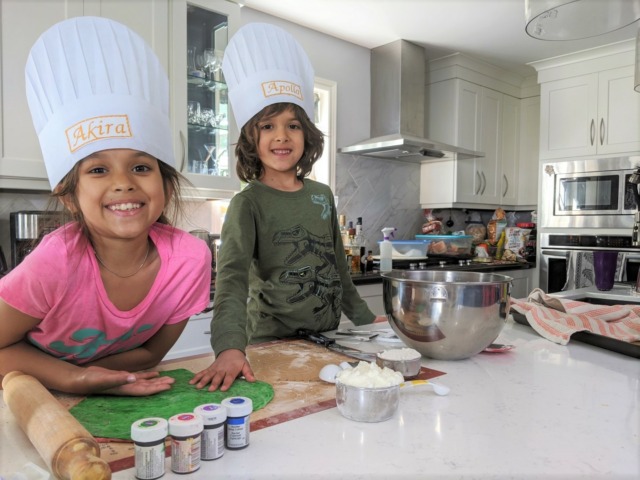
(540, 410)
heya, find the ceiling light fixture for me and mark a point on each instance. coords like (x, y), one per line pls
(578, 19)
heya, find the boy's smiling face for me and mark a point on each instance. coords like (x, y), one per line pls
(281, 144)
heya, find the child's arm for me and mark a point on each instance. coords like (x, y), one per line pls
(53, 373)
(227, 366)
(147, 355)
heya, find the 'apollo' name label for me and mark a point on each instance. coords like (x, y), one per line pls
(97, 128)
(281, 87)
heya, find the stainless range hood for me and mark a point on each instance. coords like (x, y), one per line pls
(398, 73)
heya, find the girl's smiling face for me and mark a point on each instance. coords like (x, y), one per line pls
(281, 144)
(120, 193)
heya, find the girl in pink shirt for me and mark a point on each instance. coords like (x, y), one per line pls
(107, 295)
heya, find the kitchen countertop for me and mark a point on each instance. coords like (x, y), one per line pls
(538, 410)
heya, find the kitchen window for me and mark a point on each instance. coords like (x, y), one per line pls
(325, 119)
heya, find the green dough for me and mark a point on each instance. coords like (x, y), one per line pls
(109, 416)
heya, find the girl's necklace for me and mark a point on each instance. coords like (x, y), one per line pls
(131, 274)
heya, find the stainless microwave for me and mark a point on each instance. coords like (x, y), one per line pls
(589, 193)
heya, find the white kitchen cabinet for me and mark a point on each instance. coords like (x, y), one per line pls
(524, 280)
(22, 22)
(371, 293)
(195, 338)
(509, 157)
(478, 118)
(590, 114)
(529, 147)
(219, 21)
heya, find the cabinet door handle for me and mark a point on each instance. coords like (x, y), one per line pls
(484, 183)
(601, 131)
(593, 130)
(183, 142)
(506, 185)
(479, 183)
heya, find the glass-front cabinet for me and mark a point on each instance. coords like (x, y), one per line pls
(205, 130)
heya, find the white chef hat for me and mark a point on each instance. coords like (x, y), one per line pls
(93, 84)
(263, 65)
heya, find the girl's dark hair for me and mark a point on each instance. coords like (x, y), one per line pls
(249, 166)
(172, 180)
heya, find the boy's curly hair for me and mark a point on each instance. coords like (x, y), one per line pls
(249, 166)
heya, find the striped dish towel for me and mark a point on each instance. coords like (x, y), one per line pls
(556, 319)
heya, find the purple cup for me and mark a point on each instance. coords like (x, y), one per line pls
(604, 265)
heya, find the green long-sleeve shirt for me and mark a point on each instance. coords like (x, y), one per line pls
(282, 251)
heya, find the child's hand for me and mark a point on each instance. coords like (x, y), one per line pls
(227, 366)
(380, 319)
(111, 382)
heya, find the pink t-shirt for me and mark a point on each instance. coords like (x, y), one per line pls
(60, 283)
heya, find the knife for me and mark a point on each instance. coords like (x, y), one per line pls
(331, 344)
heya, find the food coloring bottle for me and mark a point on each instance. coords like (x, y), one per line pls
(214, 417)
(238, 411)
(148, 435)
(186, 432)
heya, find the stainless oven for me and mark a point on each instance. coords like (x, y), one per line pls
(556, 250)
(593, 193)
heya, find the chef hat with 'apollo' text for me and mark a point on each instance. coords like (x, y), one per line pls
(263, 65)
(93, 84)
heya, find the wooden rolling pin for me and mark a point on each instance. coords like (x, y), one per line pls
(69, 450)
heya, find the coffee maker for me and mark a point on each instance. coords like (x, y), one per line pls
(27, 228)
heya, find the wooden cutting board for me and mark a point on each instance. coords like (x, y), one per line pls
(290, 366)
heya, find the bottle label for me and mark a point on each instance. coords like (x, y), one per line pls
(149, 461)
(237, 432)
(185, 454)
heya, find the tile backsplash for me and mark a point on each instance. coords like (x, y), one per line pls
(384, 193)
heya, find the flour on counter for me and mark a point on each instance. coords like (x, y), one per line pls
(369, 375)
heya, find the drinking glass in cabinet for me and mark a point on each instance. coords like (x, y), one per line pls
(193, 112)
(207, 103)
(210, 160)
(207, 117)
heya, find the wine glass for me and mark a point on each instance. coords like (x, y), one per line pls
(209, 61)
(210, 163)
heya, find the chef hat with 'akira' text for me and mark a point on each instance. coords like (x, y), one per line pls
(263, 65)
(93, 84)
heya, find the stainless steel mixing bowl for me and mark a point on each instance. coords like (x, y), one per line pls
(446, 315)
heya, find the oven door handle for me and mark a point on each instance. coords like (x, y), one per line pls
(633, 257)
(555, 253)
